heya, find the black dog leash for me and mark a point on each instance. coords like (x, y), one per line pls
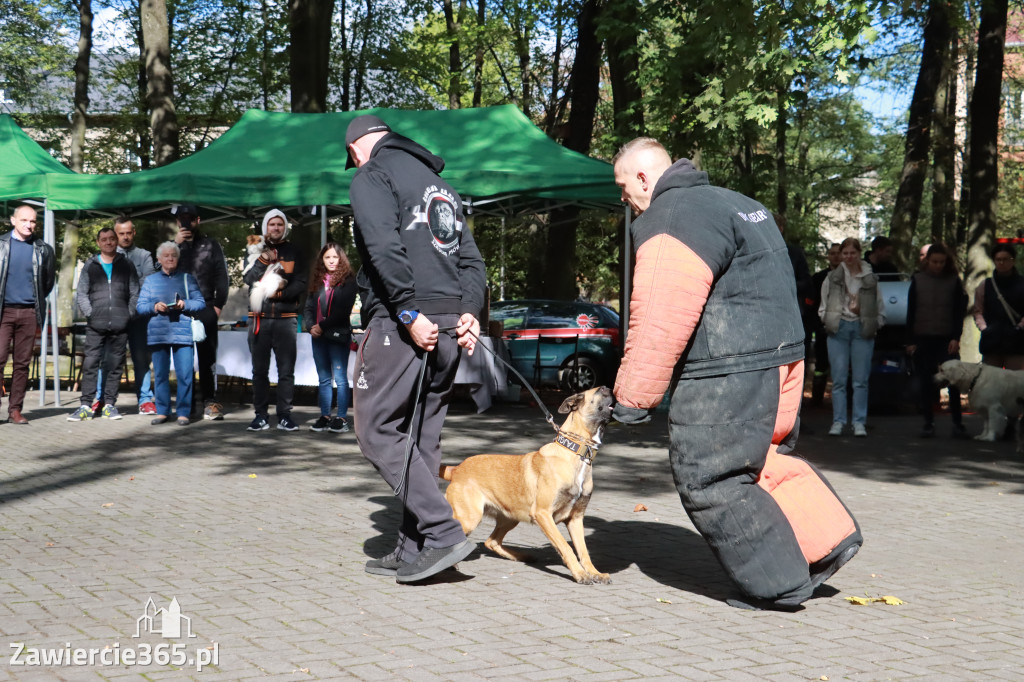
(548, 417)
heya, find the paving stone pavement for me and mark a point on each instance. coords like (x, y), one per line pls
(261, 539)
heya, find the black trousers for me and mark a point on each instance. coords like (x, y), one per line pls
(721, 431)
(277, 335)
(931, 352)
(387, 370)
(206, 352)
(103, 350)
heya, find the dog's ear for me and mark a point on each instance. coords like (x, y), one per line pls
(571, 403)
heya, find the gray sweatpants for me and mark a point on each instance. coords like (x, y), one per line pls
(384, 388)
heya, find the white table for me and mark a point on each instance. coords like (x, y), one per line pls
(484, 375)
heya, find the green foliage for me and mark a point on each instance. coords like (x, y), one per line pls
(35, 57)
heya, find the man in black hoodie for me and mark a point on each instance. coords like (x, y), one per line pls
(422, 287)
(107, 292)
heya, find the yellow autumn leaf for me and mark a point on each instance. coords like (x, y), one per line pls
(888, 599)
(862, 601)
(663, 601)
(252, 475)
(892, 601)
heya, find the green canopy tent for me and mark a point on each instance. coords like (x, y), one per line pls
(25, 172)
(495, 158)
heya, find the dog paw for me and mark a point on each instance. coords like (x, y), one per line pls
(600, 579)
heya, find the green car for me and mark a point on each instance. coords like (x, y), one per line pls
(569, 344)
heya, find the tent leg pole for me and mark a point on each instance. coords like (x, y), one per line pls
(627, 278)
(323, 226)
(502, 278)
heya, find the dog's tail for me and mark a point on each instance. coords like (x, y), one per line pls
(447, 471)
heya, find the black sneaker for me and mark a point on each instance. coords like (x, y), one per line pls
(432, 560)
(338, 425)
(928, 431)
(960, 432)
(285, 423)
(386, 565)
(320, 424)
(258, 424)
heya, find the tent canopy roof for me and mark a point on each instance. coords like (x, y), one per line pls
(24, 165)
(495, 158)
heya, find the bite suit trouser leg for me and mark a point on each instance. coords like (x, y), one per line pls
(386, 373)
(769, 518)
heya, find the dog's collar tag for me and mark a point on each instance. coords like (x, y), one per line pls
(575, 446)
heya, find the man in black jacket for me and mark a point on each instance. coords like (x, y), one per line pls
(204, 258)
(273, 327)
(27, 271)
(422, 286)
(108, 290)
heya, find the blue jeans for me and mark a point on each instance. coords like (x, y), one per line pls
(331, 360)
(140, 358)
(184, 365)
(848, 350)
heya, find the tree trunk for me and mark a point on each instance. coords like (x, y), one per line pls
(160, 83)
(309, 51)
(623, 66)
(584, 83)
(943, 165)
(346, 59)
(478, 61)
(454, 56)
(363, 57)
(142, 120)
(984, 141)
(781, 168)
(937, 35)
(69, 247)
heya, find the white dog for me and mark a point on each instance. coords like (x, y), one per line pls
(992, 391)
(268, 285)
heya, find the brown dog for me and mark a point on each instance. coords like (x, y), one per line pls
(546, 487)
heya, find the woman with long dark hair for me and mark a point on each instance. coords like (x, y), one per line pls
(332, 292)
(935, 318)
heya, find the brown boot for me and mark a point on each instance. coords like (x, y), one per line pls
(15, 417)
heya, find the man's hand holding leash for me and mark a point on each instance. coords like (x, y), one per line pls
(423, 332)
(468, 331)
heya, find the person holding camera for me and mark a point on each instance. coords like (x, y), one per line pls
(203, 258)
(168, 301)
(332, 292)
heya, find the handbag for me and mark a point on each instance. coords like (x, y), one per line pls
(198, 330)
(337, 335)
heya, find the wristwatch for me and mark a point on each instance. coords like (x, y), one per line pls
(407, 316)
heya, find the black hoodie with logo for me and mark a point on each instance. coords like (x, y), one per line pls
(417, 252)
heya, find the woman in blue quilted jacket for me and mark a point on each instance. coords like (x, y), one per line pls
(170, 299)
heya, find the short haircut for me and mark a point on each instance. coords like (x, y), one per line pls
(168, 246)
(28, 206)
(1008, 248)
(122, 219)
(105, 229)
(835, 245)
(880, 242)
(636, 145)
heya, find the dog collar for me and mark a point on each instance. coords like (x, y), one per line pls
(974, 380)
(583, 448)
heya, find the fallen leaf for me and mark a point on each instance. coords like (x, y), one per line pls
(132, 478)
(108, 504)
(49, 544)
(824, 678)
(639, 508)
(888, 599)
(252, 475)
(663, 601)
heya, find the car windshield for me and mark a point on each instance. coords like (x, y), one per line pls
(511, 316)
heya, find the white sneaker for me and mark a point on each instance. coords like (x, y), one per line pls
(837, 429)
(860, 431)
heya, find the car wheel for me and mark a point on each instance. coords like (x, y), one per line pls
(586, 375)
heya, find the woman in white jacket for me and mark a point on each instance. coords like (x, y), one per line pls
(852, 313)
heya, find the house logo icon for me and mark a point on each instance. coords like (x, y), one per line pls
(165, 622)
